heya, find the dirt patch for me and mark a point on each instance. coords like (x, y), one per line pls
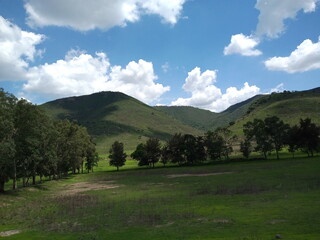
(81, 187)
(9, 233)
(277, 221)
(197, 175)
(222, 221)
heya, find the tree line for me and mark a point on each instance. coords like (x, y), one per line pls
(32, 144)
(264, 136)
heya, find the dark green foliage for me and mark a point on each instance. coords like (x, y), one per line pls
(245, 148)
(308, 136)
(219, 143)
(153, 150)
(256, 131)
(277, 130)
(140, 155)
(7, 145)
(116, 155)
(176, 149)
(273, 134)
(149, 153)
(32, 144)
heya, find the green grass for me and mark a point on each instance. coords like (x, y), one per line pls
(257, 200)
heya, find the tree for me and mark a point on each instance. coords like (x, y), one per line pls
(7, 131)
(116, 155)
(140, 155)
(176, 149)
(92, 156)
(277, 131)
(214, 144)
(256, 131)
(29, 125)
(190, 148)
(309, 136)
(245, 148)
(293, 139)
(153, 151)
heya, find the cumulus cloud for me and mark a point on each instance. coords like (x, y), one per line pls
(274, 12)
(204, 94)
(80, 73)
(306, 57)
(103, 14)
(243, 45)
(17, 50)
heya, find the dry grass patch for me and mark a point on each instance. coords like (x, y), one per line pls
(81, 187)
(9, 233)
(196, 174)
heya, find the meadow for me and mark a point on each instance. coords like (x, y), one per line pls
(250, 200)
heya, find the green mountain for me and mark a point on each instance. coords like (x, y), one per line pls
(111, 116)
(207, 120)
(289, 106)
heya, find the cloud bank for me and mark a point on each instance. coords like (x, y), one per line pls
(86, 15)
(273, 13)
(17, 50)
(204, 94)
(81, 73)
(304, 58)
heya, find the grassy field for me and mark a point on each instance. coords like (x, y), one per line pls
(238, 201)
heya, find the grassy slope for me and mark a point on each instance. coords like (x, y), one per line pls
(206, 120)
(111, 116)
(290, 107)
(256, 201)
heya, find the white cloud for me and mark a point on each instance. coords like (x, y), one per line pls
(103, 14)
(243, 45)
(274, 12)
(204, 94)
(165, 67)
(80, 73)
(306, 57)
(278, 88)
(17, 49)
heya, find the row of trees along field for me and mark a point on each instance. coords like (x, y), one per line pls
(264, 136)
(32, 144)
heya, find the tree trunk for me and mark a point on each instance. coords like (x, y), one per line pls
(117, 168)
(24, 181)
(265, 155)
(14, 180)
(1, 186)
(277, 154)
(33, 180)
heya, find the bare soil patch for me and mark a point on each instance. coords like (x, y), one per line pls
(81, 187)
(9, 233)
(197, 175)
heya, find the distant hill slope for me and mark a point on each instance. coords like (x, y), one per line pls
(288, 106)
(207, 120)
(111, 116)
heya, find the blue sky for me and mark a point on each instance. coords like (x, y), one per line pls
(203, 53)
